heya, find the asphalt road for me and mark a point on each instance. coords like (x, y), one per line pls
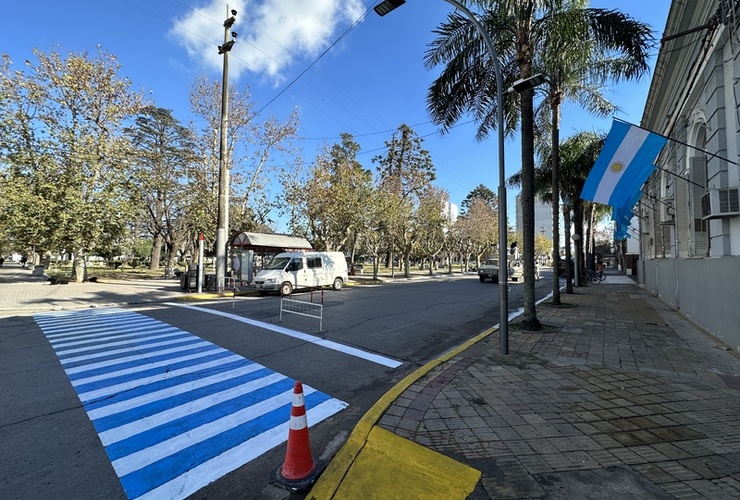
(53, 449)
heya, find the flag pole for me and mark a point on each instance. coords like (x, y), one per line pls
(713, 155)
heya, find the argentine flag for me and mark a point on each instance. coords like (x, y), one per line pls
(624, 164)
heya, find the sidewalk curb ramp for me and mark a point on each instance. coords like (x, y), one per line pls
(400, 467)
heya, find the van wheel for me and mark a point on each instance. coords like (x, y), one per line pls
(337, 284)
(286, 288)
(482, 278)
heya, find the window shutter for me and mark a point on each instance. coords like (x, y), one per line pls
(698, 175)
(682, 216)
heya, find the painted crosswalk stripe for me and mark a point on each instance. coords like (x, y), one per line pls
(328, 344)
(174, 412)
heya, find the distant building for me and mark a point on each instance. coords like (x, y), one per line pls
(542, 217)
(451, 212)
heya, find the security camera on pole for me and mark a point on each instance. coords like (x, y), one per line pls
(223, 171)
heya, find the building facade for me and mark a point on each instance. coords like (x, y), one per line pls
(451, 212)
(689, 211)
(542, 217)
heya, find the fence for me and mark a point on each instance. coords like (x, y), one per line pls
(304, 308)
(229, 286)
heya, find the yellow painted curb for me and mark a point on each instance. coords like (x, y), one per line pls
(214, 296)
(393, 467)
(337, 471)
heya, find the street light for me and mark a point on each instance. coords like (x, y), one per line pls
(523, 84)
(223, 170)
(387, 6)
(384, 8)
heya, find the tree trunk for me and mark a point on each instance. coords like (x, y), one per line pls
(568, 254)
(376, 265)
(529, 319)
(171, 259)
(79, 268)
(156, 253)
(556, 204)
(592, 238)
(578, 224)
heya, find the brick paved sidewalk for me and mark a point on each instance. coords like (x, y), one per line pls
(625, 399)
(23, 293)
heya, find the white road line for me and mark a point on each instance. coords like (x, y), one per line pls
(180, 429)
(138, 356)
(110, 334)
(162, 449)
(86, 397)
(191, 481)
(175, 333)
(125, 431)
(148, 366)
(335, 346)
(130, 404)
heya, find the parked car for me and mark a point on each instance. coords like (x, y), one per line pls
(489, 269)
(516, 271)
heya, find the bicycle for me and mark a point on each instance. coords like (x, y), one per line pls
(593, 277)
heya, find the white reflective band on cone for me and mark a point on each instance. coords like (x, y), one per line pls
(298, 399)
(298, 423)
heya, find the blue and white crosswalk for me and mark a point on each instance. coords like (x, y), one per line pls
(174, 412)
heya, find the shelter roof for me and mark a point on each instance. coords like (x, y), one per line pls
(263, 242)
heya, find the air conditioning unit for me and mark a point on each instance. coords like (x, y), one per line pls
(667, 213)
(719, 203)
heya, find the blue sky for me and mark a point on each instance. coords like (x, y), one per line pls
(367, 84)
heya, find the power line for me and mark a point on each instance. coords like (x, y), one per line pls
(346, 32)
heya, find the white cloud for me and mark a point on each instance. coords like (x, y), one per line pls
(271, 32)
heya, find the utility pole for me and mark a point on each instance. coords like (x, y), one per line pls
(223, 171)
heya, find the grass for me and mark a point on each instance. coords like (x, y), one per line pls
(124, 272)
(545, 328)
(563, 305)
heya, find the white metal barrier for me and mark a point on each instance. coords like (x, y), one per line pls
(230, 285)
(303, 308)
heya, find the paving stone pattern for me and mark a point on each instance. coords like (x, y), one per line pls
(625, 393)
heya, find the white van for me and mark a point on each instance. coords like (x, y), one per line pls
(291, 270)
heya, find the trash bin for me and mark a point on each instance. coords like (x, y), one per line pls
(192, 276)
(189, 279)
(210, 283)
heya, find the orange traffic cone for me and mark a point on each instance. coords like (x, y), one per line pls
(300, 470)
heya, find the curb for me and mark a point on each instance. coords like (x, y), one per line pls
(329, 482)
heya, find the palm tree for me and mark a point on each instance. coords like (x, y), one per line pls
(615, 48)
(521, 29)
(578, 154)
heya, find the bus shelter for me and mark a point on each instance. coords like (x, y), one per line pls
(251, 251)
